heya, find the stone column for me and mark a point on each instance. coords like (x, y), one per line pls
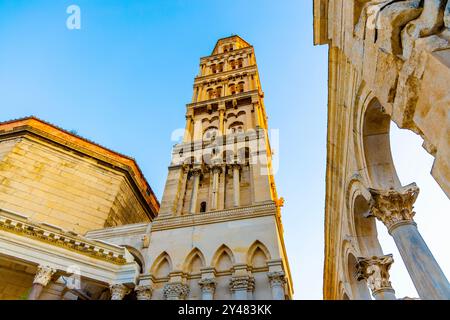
(277, 281)
(175, 291)
(215, 186)
(395, 209)
(193, 205)
(143, 292)
(242, 287)
(236, 185)
(256, 113)
(375, 271)
(41, 279)
(118, 291)
(182, 192)
(221, 117)
(208, 286)
(188, 129)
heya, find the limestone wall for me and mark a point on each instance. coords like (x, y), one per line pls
(57, 186)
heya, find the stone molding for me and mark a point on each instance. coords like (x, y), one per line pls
(175, 290)
(43, 275)
(394, 207)
(266, 209)
(375, 271)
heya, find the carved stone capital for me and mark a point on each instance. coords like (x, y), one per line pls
(43, 275)
(208, 285)
(196, 172)
(375, 271)
(276, 278)
(394, 207)
(242, 283)
(216, 169)
(143, 292)
(175, 291)
(118, 291)
(234, 166)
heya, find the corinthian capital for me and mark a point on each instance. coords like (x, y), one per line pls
(208, 285)
(118, 291)
(276, 278)
(143, 292)
(43, 275)
(175, 291)
(242, 283)
(375, 271)
(394, 206)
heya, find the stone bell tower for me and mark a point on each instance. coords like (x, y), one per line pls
(219, 233)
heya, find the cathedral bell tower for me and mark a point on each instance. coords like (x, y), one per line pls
(219, 225)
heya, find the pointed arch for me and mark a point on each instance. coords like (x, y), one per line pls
(162, 265)
(194, 261)
(255, 250)
(223, 259)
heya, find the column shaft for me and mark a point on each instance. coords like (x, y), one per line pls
(194, 194)
(236, 186)
(427, 276)
(36, 291)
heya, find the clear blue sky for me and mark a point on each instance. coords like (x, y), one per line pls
(123, 81)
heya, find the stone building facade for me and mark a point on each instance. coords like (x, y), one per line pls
(388, 61)
(79, 221)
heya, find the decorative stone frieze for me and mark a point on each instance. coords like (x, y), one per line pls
(175, 291)
(143, 292)
(375, 271)
(22, 225)
(394, 207)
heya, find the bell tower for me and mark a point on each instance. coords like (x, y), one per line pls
(220, 198)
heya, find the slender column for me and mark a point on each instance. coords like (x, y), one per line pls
(208, 287)
(118, 291)
(41, 279)
(188, 129)
(256, 114)
(236, 185)
(143, 292)
(175, 291)
(375, 271)
(277, 281)
(215, 186)
(182, 194)
(196, 174)
(222, 188)
(395, 209)
(242, 287)
(221, 117)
